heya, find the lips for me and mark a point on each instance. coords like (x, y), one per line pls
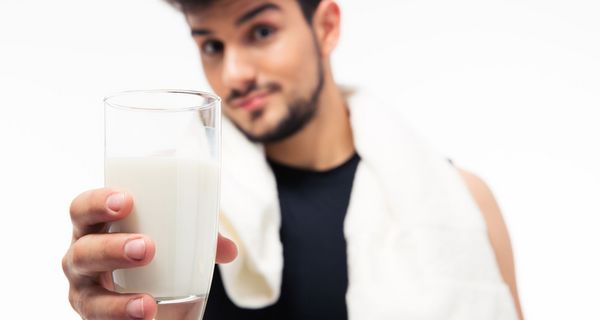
(252, 101)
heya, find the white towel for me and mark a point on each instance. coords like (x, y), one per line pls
(417, 245)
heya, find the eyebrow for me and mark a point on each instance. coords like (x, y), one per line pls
(242, 19)
(256, 11)
(201, 32)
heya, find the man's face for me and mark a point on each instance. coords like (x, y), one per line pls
(262, 58)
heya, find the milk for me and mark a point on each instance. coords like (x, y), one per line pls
(176, 202)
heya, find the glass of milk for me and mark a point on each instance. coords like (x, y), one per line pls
(163, 147)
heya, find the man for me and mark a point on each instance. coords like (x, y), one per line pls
(270, 61)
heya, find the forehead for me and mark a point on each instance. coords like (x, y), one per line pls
(230, 11)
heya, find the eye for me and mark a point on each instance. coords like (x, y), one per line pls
(262, 32)
(212, 47)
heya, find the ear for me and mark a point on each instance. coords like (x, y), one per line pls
(326, 23)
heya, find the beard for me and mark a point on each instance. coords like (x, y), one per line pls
(299, 113)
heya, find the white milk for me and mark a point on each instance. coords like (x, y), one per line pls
(176, 205)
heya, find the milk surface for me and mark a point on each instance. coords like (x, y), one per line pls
(176, 203)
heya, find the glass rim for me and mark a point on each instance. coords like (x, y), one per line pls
(212, 100)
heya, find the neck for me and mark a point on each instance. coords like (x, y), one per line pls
(323, 143)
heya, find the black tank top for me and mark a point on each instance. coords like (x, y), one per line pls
(315, 278)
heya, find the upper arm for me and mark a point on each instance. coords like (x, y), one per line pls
(497, 231)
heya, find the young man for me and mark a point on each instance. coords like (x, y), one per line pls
(270, 61)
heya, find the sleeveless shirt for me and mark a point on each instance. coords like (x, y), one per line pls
(314, 280)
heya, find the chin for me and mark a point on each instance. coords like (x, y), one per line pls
(260, 125)
(264, 119)
(260, 132)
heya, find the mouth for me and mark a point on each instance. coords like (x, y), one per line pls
(252, 101)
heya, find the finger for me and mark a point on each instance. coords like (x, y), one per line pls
(226, 250)
(95, 302)
(95, 207)
(94, 253)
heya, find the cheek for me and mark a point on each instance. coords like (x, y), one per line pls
(212, 72)
(291, 62)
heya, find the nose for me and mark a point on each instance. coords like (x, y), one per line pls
(238, 71)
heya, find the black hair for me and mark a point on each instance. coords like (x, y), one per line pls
(308, 6)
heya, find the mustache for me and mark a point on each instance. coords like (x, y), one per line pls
(235, 94)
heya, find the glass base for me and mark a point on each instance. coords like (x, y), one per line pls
(180, 308)
(185, 299)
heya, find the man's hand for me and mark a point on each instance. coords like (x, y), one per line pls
(94, 254)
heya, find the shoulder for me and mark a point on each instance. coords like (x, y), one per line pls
(481, 193)
(497, 230)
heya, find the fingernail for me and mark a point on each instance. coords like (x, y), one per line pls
(135, 308)
(115, 201)
(135, 249)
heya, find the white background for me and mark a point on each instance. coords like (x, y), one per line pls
(507, 89)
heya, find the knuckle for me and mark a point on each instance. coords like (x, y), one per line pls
(66, 266)
(82, 307)
(78, 202)
(77, 256)
(77, 299)
(73, 209)
(73, 298)
(88, 201)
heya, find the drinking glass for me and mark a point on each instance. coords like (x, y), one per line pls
(163, 148)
